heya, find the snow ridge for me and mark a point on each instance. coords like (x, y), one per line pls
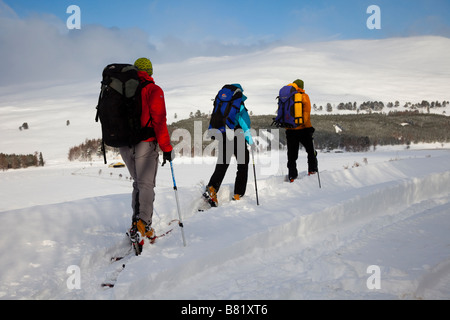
(301, 242)
(374, 207)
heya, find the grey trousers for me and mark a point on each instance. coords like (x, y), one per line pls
(142, 163)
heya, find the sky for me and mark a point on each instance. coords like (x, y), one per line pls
(243, 21)
(34, 34)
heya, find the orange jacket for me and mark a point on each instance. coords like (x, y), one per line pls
(306, 109)
(154, 107)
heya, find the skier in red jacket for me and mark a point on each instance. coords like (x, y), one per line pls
(142, 158)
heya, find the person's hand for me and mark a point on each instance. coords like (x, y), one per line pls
(167, 156)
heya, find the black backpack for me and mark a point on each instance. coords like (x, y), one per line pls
(226, 105)
(119, 107)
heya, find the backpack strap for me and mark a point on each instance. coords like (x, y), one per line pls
(142, 85)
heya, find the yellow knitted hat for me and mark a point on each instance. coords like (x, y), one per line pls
(144, 64)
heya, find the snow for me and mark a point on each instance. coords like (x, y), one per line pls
(376, 229)
(302, 242)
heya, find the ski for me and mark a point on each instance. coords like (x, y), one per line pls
(151, 241)
(204, 208)
(110, 283)
(206, 203)
(112, 277)
(114, 259)
(136, 244)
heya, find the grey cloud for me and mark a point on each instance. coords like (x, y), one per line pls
(39, 50)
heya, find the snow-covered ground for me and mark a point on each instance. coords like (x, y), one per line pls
(377, 229)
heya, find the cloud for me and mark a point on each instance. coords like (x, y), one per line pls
(42, 49)
(6, 11)
(175, 49)
(428, 25)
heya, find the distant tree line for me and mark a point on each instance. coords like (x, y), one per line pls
(367, 107)
(357, 132)
(19, 161)
(89, 148)
(360, 132)
(378, 106)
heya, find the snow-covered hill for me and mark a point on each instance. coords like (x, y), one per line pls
(400, 69)
(377, 229)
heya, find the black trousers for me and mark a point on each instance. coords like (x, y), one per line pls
(294, 138)
(227, 148)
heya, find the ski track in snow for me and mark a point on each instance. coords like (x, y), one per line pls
(302, 242)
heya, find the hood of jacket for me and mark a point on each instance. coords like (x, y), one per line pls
(144, 76)
(244, 97)
(297, 88)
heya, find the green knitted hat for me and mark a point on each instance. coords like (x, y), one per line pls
(299, 83)
(144, 64)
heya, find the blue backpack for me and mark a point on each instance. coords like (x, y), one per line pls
(226, 105)
(290, 108)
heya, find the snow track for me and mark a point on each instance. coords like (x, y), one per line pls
(373, 210)
(302, 242)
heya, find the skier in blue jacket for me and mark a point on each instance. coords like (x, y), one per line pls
(238, 144)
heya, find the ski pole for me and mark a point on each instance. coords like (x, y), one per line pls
(104, 151)
(178, 204)
(318, 174)
(318, 177)
(254, 174)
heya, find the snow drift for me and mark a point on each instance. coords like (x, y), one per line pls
(301, 242)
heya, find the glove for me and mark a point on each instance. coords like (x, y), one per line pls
(248, 138)
(167, 156)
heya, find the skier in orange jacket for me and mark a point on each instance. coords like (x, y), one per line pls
(302, 134)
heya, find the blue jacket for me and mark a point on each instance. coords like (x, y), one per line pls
(243, 119)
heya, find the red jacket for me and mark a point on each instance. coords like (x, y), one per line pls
(153, 106)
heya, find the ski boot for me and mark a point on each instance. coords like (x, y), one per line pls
(146, 230)
(136, 239)
(236, 197)
(137, 232)
(210, 196)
